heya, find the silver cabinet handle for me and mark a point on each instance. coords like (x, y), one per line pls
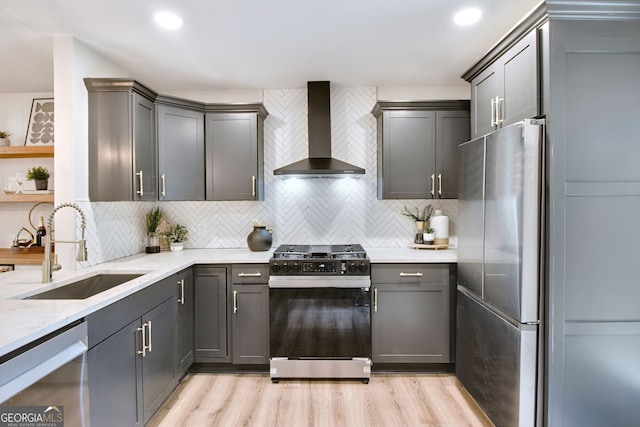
(493, 112)
(235, 302)
(164, 188)
(433, 184)
(253, 185)
(375, 300)
(141, 190)
(416, 274)
(149, 332)
(439, 184)
(499, 114)
(257, 274)
(181, 299)
(143, 352)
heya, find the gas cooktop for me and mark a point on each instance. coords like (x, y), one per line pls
(343, 259)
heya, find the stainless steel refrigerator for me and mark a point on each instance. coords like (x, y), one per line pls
(500, 224)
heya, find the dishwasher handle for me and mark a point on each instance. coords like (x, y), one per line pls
(29, 367)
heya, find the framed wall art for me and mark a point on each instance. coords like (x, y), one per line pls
(40, 130)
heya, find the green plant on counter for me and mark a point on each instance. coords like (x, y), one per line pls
(430, 230)
(176, 233)
(38, 173)
(420, 214)
(4, 134)
(154, 217)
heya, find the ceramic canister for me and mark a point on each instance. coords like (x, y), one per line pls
(440, 224)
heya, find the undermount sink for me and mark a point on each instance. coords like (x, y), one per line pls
(85, 288)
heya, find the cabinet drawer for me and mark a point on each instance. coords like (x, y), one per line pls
(250, 273)
(410, 273)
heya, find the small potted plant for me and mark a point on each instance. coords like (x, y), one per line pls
(176, 235)
(40, 175)
(4, 138)
(420, 216)
(152, 241)
(428, 236)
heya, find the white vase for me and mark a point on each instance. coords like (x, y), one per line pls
(176, 246)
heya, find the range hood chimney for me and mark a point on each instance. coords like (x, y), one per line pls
(319, 164)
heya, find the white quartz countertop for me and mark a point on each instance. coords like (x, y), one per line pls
(22, 321)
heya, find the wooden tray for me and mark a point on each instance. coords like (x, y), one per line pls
(423, 246)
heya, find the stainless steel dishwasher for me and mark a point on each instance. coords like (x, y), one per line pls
(45, 382)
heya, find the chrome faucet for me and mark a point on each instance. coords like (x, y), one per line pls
(49, 265)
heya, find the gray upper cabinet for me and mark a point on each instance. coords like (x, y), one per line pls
(417, 148)
(180, 153)
(122, 141)
(411, 313)
(507, 90)
(234, 152)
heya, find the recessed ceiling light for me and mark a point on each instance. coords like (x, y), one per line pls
(168, 20)
(467, 16)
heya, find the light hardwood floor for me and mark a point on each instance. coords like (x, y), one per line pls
(229, 399)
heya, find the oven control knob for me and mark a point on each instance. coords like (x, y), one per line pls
(286, 267)
(363, 267)
(352, 267)
(275, 267)
(296, 267)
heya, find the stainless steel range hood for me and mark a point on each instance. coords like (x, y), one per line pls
(319, 164)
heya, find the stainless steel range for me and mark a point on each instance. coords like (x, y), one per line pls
(319, 310)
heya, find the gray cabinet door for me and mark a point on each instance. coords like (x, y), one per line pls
(511, 82)
(211, 344)
(115, 378)
(250, 324)
(410, 319)
(485, 87)
(233, 163)
(144, 148)
(452, 129)
(122, 141)
(185, 324)
(180, 153)
(520, 81)
(408, 154)
(158, 362)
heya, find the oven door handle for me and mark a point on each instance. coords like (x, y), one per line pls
(36, 363)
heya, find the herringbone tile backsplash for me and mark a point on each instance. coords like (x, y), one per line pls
(299, 210)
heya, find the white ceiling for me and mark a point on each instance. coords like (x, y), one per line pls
(257, 44)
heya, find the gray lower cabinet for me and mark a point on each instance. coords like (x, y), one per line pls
(122, 140)
(115, 375)
(210, 298)
(234, 154)
(180, 153)
(411, 313)
(158, 361)
(417, 148)
(508, 89)
(131, 356)
(250, 318)
(185, 322)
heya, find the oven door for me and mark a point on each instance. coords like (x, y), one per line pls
(314, 318)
